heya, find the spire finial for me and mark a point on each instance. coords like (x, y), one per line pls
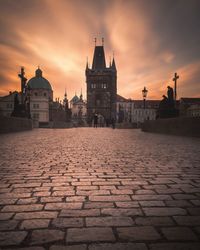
(95, 41)
(81, 95)
(87, 65)
(102, 41)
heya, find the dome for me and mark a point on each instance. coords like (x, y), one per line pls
(39, 82)
(75, 99)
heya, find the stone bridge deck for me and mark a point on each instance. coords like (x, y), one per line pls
(99, 189)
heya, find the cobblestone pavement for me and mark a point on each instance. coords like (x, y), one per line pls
(99, 189)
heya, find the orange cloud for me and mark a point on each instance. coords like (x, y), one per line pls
(58, 36)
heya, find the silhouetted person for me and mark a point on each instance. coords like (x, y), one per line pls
(113, 123)
(170, 94)
(95, 120)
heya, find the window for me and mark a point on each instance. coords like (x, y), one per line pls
(36, 116)
(35, 93)
(9, 105)
(104, 85)
(93, 85)
(36, 106)
(45, 94)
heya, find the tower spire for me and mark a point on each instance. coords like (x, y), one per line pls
(81, 95)
(113, 63)
(87, 66)
(99, 61)
(102, 41)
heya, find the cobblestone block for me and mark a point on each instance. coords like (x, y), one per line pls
(90, 234)
(121, 211)
(110, 198)
(154, 221)
(42, 236)
(138, 233)
(35, 215)
(109, 221)
(12, 238)
(22, 208)
(5, 216)
(175, 246)
(153, 197)
(8, 225)
(79, 213)
(127, 204)
(35, 224)
(187, 220)
(74, 247)
(67, 222)
(118, 246)
(164, 211)
(179, 234)
(64, 205)
(98, 204)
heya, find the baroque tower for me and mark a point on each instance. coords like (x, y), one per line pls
(101, 86)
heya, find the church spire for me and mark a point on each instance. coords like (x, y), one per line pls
(81, 95)
(99, 61)
(113, 64)
(87, 65)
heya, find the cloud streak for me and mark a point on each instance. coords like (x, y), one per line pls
(150, 43)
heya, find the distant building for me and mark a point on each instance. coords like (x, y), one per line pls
(190, 107)
(123, 109)
(37, 98)
(101, 86)
(7, 103)
(41, 97)
(133, 111)
(78, 109)
(139, 114)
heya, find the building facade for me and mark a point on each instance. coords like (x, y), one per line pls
(141, 112)
(40, 92)
(101, 87)
(78, 108)
(7, 104)
(190, 107)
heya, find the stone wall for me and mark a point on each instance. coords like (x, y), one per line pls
(186, 126)
(14, 124)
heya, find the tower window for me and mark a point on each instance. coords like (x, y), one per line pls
(36, 116)
(36, 106)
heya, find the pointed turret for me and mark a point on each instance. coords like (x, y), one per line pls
(81, 96)
(113, 65)
(65, 101)
(87, 65)
(38, 72)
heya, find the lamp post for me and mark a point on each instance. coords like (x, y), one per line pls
(144, 94)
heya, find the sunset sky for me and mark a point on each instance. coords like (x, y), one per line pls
(151, 40)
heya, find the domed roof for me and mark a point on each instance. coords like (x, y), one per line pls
(75, 99)
(38, 81)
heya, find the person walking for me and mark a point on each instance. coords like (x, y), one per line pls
(95, 120)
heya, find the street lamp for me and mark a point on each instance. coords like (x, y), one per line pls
(144, 94)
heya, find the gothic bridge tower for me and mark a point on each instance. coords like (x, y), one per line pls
(101, 86)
